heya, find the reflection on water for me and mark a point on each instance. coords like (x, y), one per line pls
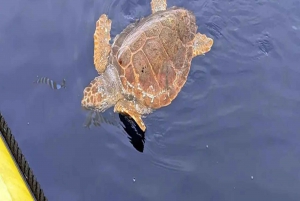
(136, 135)
(96, 119)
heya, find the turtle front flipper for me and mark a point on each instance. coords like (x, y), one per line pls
(127, 107)
(101, 43)
(201, 44)
(157, 5)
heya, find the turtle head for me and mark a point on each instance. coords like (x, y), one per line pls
(99, 95)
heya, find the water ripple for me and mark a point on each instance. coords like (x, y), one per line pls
(173, 164)
(168, 162)
(215, 29)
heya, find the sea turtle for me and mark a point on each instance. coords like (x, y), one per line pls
(147, 64)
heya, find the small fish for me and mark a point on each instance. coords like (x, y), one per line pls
(51, 83)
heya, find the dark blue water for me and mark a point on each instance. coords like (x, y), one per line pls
(233, 133)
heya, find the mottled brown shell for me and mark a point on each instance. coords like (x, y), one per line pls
(153, 56)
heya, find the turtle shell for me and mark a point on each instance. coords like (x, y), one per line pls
(153, 56)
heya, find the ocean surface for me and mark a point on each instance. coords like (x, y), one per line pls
(232, 134)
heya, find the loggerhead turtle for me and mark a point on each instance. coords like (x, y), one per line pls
(147, 64)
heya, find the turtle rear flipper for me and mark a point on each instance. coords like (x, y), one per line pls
(157, 5)
(129, 108)
(201, 44)
(101, 43)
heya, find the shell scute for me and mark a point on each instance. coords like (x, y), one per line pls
(152, 102)
(146, 78)
(193, 27)
(181, 77)
(124, 57)
(189, 54)
(170, 22)
(153, 30)
(166, 75)
(155, 53)
(164, 99)
(167, 37)
(130, 76)
(173, 92)
(119, 39)
(180, 55)
(138, 43)
(184, 21)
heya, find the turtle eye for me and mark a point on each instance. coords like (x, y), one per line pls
(120, 61)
